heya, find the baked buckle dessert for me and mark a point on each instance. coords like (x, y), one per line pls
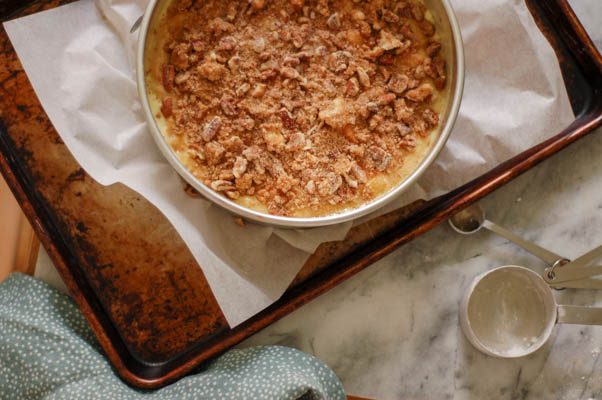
(298, 107)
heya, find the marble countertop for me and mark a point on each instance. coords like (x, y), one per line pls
(392, 331)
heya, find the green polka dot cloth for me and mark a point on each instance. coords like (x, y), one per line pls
(48, 352)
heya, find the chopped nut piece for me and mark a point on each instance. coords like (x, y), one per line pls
(243, 89)
(218, 26)
(386, 98)
(350, 181)
(329, 184)
(167, 107)
(290, 73)
(359, 173)
(354, 37)
(298, 40)
(274, 140)
(421, 93)
(258, 109)
(358, 15)
(364, 28)
(234, 63)
(379, 157)
(390, 16)
(404, 129)
(190, 191)
(353, 87)
(240, 222)
(269, 65)
(342, 166)
(211, 129)
(372, 107)
(245, 123)
(181, 77)
(168, 77)
(268, 74)
(356, 150)
(212, 71)
(221, 185)
(417, 12)
(227, 43)
(234, 144)
(287, 119)
(258, 45)
(285, 183)
(375, 53)
(228, 106)
(231, 16)
(226, 175)
(384, 71)
(179, 56)
(338, 61)
(291, 60)
(433, 49)
(388, 41)
(258, 4)
(333, 21)
(338, 113)
(363, 77)
(198, 45)
(349, 133)
(214, 152)
(245, 182)
(199, 111)
(259, 90)
(295, 142)
(402, 111)
(409, 142)
(264, 56)
(240, 166)
(431, 117)
(310, 187)
(252, 153)
(398, 83)
(438, 65)
(419, 126)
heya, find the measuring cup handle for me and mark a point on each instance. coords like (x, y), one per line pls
(579, 315)
(587, 283)
(532, 248)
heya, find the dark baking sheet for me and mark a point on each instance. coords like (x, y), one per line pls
(131, 274)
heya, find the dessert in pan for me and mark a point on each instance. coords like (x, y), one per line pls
(297, 108)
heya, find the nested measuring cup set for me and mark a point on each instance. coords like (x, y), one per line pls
(510, 311)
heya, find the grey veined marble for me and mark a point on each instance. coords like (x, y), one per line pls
(392, 331)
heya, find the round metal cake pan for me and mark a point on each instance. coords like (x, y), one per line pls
(451, 40)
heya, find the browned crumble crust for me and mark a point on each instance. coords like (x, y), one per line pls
(299, 103)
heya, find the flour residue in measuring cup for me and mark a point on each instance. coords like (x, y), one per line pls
(507, 313)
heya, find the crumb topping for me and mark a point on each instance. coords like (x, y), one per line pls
(300, 103)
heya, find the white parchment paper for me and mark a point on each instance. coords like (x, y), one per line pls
(79, 60)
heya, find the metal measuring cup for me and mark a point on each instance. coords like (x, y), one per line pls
(510, 312)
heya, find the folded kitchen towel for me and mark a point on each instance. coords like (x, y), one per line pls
(47, 351)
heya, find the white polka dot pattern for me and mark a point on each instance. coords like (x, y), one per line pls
(48, 352)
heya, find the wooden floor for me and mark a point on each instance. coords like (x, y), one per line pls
(18, 243)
